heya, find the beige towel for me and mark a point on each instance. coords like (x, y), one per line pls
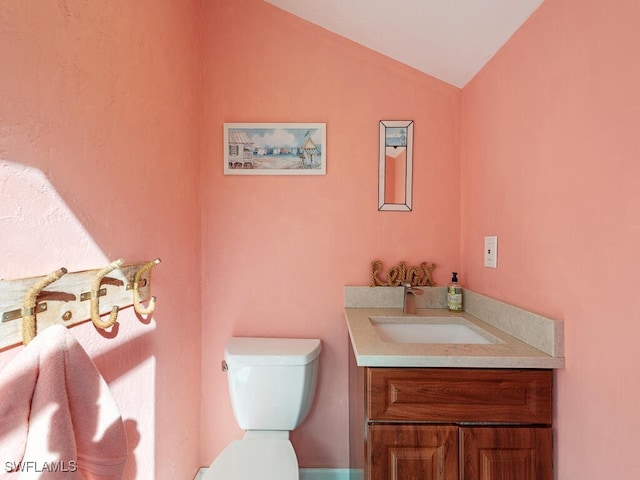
(58, 419)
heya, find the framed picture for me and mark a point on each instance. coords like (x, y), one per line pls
(395, 166)
(275, 149)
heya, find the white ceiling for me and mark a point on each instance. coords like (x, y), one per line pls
(448, 39)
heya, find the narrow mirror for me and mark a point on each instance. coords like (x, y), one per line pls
(395, 167)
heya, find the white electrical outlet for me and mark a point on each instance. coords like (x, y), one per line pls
(491, 251)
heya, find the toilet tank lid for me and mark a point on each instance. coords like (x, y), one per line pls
(271, 351)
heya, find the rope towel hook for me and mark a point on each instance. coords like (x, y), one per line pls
(29, 304)
(95, 302)
(136, 289)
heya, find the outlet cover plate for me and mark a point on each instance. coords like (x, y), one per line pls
(491, 251)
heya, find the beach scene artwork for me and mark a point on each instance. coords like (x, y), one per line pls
(275, 149)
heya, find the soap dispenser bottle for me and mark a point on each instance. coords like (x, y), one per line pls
(454, 294)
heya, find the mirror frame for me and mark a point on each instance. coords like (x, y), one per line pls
(407, 205)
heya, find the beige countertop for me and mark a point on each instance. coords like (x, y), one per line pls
(511, 352)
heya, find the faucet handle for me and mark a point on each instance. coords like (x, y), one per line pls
(408, 288)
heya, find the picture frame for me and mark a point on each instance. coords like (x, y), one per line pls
(275, 149)
(395, 166)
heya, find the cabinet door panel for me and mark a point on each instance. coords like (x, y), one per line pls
(459, 395)
(520, 453)
(412, 452)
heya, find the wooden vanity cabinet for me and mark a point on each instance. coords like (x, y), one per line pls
(454, 423)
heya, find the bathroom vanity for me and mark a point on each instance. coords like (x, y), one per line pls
(448, 410)
(452, 423)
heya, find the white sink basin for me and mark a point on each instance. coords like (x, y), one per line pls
(451, 330)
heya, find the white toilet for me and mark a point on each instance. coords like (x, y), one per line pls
(272, 382)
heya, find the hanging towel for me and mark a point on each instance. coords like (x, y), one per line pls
(58, 419)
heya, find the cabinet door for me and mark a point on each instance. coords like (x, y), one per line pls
(412, 452)
(509, 453)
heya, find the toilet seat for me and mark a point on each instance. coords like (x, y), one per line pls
(255, 458)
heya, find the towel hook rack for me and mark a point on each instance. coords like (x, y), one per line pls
(95, 294)
(136, 289)
(29, 304)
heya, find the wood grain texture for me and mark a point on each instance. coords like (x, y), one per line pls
(413, 452)
(512, 396)
(518, 453)
(65, 303)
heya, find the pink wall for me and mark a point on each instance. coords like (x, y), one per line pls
(549, 157)
(99, 114)
(99, 146)
(277, 251)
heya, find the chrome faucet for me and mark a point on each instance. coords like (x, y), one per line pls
(409, 298)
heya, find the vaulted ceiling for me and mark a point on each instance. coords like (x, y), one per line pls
(448, 39)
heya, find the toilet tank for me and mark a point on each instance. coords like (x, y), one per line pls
(272, 381)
